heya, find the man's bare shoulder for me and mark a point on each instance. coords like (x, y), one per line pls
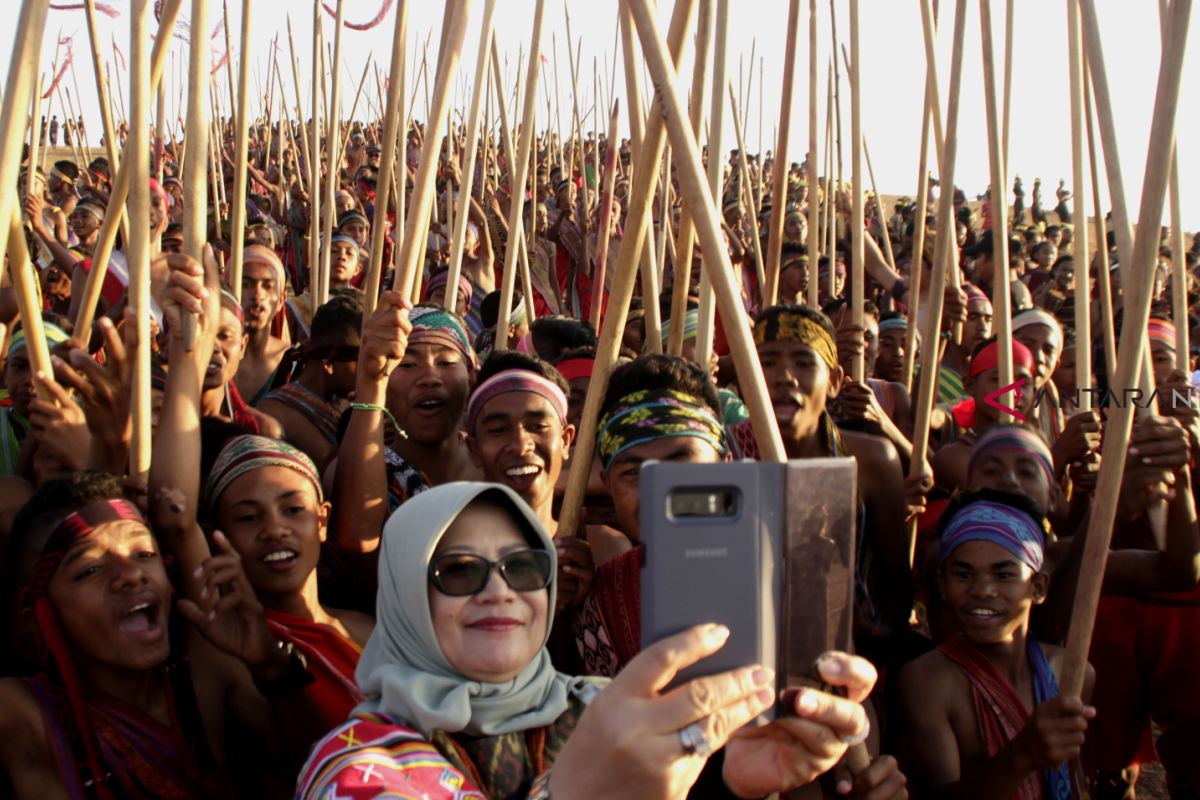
(930, 675)
(870, 449)
(25, 754)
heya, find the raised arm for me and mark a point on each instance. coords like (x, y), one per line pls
(360, 504)
(175, 468)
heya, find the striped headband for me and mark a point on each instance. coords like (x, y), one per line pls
(791, 326)
(54, 336)
(91, 206)
(1008, 527)
(75, 527)
(341, 237)
(575, 368)
(974, 293)
(1163, 332)
(439, 279)
(1011, 439)
(518, 313)
(893, 324)
(691, 326)
(62, 176)
(261, 254)
(431, 324)
(651, 414)
(243, 454)
(230, 302)
(515, 380)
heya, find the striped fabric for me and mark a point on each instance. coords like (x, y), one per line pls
(374, 756)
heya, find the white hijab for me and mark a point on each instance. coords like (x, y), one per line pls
(403, 671)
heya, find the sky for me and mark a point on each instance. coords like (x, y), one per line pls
(892, 85)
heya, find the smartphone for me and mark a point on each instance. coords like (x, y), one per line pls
(713, 556)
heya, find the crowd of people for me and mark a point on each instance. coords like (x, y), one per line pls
(344, 575)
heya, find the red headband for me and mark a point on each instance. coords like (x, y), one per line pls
(573, 368)
(989, 358)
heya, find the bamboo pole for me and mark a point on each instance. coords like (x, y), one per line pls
(332, 137)
(423, 197)
(928, 25)
(314, 166)
(85, 312)
(744, 171)
(1001, 295)
(637, 121)
(779, 191)
(706, 323)
(1133, 338)
(813, 239)
(1083, 265)
(606, 207)
(20, 85)
(645, 177)
(518, 173)
(830, 189)
(120, 90)
(35, 138)
(195, 181)
(1103, 276)
(299, 105)
(387, 160)
(917, 256)
(138, 247)
(943, 244)
(708, 228)
(857, 216)
(1179, 300)
(468, 167)
(1008, 62)
(237, 208)
(683, 250)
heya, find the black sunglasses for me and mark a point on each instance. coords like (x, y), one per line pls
(463, 574)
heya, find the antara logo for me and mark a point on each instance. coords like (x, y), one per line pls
(1015, 386)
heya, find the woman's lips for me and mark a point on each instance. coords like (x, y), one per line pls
(496, 624)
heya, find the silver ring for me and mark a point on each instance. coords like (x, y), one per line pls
(860, 737)
(694, 741)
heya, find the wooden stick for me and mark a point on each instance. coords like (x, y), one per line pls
(1133, 338)
(1008, 62)
(942, 246)
(408, 261)
(606, 206)
(85, 312)
(468, 167)
(637, 118)
(813, 238)
(830, 190)
(1179, 300)
(645, 177)
(120, 89)
(917, 257)
(1001, 295)
(682, 280)
(939, 137)
(314, 167)
(518, 172)
(35, 139)
(706, 323)
(237, 208)
(1103, 276)
(137, 249)
(779, 191)
(332, 137)
(20, 84)
(708, 227)
(744, 170)
(858, 209)
(195, 181)
(299, 105)
(1083, 265)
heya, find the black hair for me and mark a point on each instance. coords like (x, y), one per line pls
(659, 372)
(503, 360)
(553, 335)
(337, 321)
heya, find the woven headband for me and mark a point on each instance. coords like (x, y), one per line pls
(651, 414)
(1008, 527)
(244, 454)
(794, 327)
(515, 380)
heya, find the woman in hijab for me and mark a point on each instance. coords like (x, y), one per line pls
(463, 702)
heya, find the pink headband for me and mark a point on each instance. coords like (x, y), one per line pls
(515, 380)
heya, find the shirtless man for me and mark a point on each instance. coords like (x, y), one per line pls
(991, 575)
(263, 294)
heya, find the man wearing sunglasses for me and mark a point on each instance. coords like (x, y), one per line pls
(310, 406)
